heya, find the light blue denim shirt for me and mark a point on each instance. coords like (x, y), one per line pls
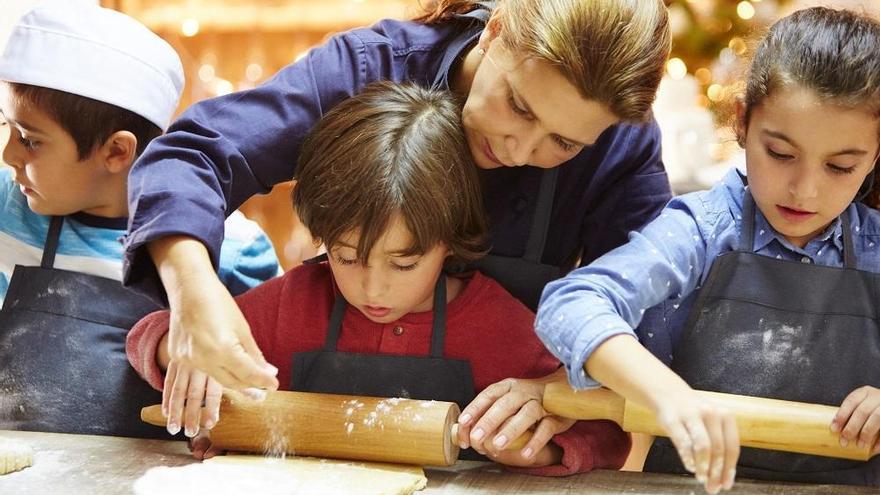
(646, 287)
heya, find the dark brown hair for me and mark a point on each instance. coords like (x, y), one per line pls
(89, 122)
(832, 52)
(393, 148)
(613, 51)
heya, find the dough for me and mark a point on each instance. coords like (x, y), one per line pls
(247, 474)
(14, 455)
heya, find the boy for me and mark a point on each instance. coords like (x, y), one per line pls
(84, 90)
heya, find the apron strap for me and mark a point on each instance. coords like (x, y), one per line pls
(849, 254)
(747, 236)
(438, 332)
(335, 324)
(541, 219)
(52, 239)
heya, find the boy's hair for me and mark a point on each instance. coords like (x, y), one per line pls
(393, 148)
(613, 51)
(89, 122)
(832, 52)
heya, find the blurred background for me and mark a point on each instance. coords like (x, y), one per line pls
(231, 45)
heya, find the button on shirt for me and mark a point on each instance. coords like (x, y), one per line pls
(662, 266)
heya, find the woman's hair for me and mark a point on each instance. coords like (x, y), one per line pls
(613, 51)
(835, 53)
(393, 148)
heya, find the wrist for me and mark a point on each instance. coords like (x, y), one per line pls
(182, 262)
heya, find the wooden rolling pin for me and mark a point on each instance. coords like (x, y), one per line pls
(340, 426)
(762, 423)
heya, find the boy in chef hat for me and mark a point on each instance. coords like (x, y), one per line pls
(83, 90)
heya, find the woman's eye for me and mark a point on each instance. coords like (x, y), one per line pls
(522, 112)
(836, 169)
(563, 144)
(406, 268)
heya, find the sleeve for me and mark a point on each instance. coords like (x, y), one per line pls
(142, 345)
(224, 150)
(635, 198)
(259, 307)
(587, 445)
(608, 297)
(247, 257)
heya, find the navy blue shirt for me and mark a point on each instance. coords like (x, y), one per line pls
(224, 150)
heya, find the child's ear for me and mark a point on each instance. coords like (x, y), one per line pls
(118, 152)
(740, 125)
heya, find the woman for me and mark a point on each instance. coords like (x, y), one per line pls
(561, 85)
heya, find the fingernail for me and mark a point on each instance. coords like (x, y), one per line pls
(500, 441)
(716, 471)
(188, 432)
(173, 428)
(271, 369)
(728, 480)
(478, 434)
(528, 452)
(835, 427)
(843, 442)
(689, 465)
(862, 444)
(209, 424)
(464, 419)
(701, 477)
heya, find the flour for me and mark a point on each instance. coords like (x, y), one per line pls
(234, 475)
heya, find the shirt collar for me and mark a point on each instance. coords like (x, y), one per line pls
(765, 234)
(462, 42)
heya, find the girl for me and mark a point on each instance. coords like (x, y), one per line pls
(384, 181)
(775, 272)
(564, 85)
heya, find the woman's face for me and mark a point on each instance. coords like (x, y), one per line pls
(523, 111)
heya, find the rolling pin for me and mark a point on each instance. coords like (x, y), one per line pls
(762, 423)
(339, 426)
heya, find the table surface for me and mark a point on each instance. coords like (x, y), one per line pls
(79, 464)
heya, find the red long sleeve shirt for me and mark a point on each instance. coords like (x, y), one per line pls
(485, 326)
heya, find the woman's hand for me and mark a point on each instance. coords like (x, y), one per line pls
(705, 436)
(207, 330)
(190, 398)
(503, 412)
(858, 419)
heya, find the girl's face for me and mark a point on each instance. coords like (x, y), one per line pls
(806, 160)
(389, 285)
(523, 111)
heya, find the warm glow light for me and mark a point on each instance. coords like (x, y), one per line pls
(715, 92)
(223, 87)
(189, 27)
(676, 68)
(254, 72)
(745, 10)
(703, 75)
(207, 73)
(738, 45)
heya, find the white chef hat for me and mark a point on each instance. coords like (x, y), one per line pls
(80, 48)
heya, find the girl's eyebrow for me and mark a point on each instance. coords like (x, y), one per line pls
(783, 137)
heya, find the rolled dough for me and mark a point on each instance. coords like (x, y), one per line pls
(243, 474)
(14, 456)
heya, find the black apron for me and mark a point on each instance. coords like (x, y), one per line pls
(782, 329)
(63, 366)
(523, 277)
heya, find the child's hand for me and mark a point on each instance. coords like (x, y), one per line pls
(201, 447)
(504, 411)
(705, 436)
(858, 418)
(190, 398)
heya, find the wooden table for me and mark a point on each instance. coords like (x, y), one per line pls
(81, 464)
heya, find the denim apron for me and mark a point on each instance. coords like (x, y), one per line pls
(782, 329)
(63, 366)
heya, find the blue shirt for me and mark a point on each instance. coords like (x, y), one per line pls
(224, 150)
(92, 245)
(652, 280)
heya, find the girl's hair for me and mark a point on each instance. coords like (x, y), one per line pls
(835, 53)
(393, 148)
(613, 51)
